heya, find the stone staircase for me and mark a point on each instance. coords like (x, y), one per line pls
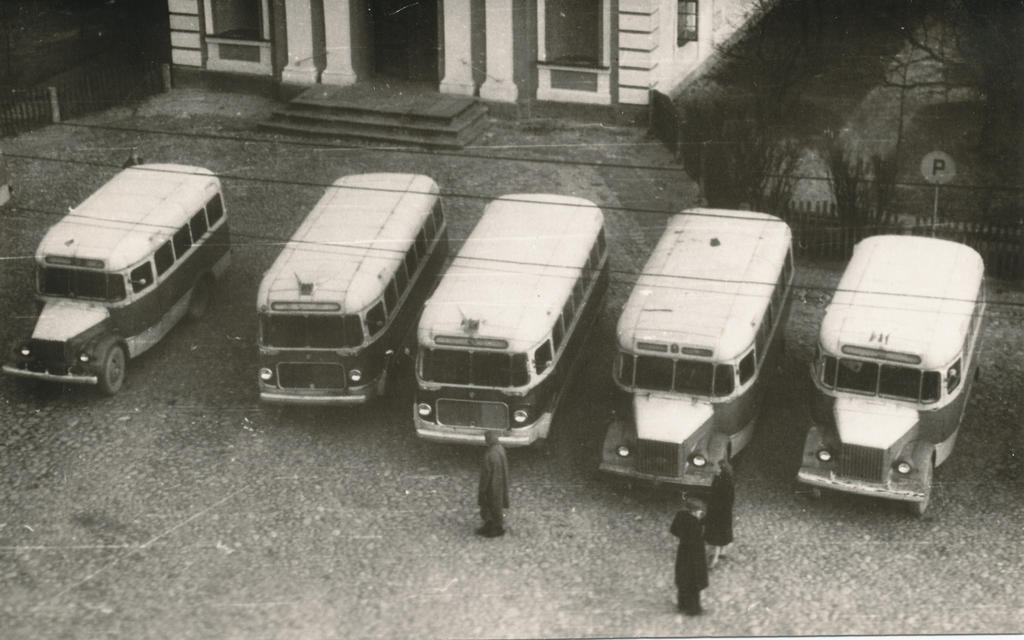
(401, 113)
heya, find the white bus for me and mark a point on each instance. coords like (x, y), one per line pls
(896, 357)
(343, 294)
(499, 338)
(120, 270)
(699, 332)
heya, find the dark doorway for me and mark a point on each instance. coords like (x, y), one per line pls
(405, 39)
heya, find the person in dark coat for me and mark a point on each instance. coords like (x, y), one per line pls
(718, 524)
(492, 495)
(691, 563)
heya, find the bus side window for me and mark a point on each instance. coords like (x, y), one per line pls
(198, 225)
(626, 369)
(567, 313)
(391, 297)
(577, 293)
(421, 243)
(375, 319)
(557, 332)
(164, 258)
(141, 277)
(410, 261)
(428, 227)
(542, 357)
(953, 377)
(182, 241)
(760, 341)
(214, 209)
(401, 279)
(747, 367)
(600, 239)
(438, 216)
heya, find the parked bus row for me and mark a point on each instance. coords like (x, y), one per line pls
(499, 335)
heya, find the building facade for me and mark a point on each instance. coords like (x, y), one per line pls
(607, 52)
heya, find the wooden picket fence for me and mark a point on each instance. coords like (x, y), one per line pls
(74, 94)
(817, 234)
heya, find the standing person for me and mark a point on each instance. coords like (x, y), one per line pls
(133, 159)
(718, 525)
(492, 495)
(691, 563)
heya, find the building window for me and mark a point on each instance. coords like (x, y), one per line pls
(238, 19)
(573, 33)
(686, 28)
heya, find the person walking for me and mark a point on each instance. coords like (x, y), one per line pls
(718, 524)
(492, 494)
(691, 563)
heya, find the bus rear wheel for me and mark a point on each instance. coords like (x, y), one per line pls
(112, 369)
(918, 508)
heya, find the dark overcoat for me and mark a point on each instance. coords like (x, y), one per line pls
(718, 521)
(492, 495)
(691, 563)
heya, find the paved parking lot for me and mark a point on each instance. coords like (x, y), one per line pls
(183, 507)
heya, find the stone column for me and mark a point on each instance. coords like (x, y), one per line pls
(338, 30)
(499, 85)
(458, 50)
(301, 68)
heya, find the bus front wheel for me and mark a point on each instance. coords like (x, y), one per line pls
(918, 508)
(112, 369)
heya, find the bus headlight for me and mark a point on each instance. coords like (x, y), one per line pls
(423, 409)
(903, 467)
(623, 450)
(698, 460)
(266, 374)
(824, 455)
(83, 357)
(25, 351)
(520, 415)
(355, 375)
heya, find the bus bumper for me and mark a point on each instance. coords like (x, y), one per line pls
(828, 480)
(625, 466)
(515, 437)
(322, 397)
(52, 377)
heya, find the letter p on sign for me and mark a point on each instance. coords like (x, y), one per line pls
(938, 167)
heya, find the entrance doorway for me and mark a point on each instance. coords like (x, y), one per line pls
(405, 39)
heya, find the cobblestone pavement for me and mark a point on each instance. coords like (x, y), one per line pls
(183, 507)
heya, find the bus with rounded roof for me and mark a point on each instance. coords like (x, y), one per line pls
(344, 294)
(897, 354)
(120, 270)
(502, 336)
(698, 338)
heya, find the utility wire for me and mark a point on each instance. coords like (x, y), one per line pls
(320, 145)
(493, 265)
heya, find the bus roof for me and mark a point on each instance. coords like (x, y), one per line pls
(515, 271)
(130, 216)
(707, 283)
(905, 294)
(351, 243)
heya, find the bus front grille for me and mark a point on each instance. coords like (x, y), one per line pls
(657, 458)
(50, 352)
(864, 463)
(467, 413)
(310, 375)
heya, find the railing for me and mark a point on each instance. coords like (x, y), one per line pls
(75, 94)
(818, 234)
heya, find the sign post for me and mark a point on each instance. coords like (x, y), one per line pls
(938, 168)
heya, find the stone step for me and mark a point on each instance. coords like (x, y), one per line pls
(444, 137)
(372, 118)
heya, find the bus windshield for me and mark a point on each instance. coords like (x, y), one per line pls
(894, 381)
(320, 331)
(81, 283)
(480, 368)
(684, 376)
